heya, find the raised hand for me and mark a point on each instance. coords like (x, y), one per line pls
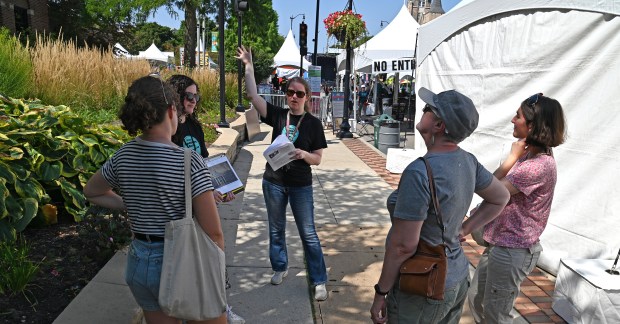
(245, 55)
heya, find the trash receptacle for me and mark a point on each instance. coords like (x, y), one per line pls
(389, 135)
(377, 125)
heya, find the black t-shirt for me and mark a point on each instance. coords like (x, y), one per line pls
(309, 138)
(190, 135)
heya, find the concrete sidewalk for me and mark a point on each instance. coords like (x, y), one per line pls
(352, 223)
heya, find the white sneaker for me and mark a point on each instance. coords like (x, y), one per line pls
(277, 277)
(320, 292)
(232, 317)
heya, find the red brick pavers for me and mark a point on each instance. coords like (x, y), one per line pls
(534, 300)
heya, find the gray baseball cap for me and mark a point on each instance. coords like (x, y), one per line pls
(455, 109)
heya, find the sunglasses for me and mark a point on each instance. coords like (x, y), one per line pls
(192, 96)
(300, 94)
(157, 76)
(531, 101)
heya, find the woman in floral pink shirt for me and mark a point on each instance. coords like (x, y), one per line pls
(529, 173)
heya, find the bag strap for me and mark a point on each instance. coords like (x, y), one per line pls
(187, 167)
(431, 183)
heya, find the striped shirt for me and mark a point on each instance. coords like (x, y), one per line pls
(149, 177)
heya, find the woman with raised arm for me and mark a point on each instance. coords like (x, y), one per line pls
(291, 183)
(529, 173)
(148, 174)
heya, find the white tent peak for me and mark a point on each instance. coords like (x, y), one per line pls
(289, 55)
(396, 40)
(153, 53)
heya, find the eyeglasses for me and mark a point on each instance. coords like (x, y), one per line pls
(300, 94)
(192, 96)
(429, 108)
(157, 76)
(531, 101)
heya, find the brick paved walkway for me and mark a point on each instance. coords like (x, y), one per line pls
(534, 300)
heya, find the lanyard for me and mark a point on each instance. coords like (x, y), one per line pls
(290, 135)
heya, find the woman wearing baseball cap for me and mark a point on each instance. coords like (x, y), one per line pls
(448, 118)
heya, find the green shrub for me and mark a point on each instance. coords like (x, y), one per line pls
(48, 154)
(15, 66)
(17, 269)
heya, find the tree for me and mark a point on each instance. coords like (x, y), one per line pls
(260, 32)
(144, 34)
(136, 11)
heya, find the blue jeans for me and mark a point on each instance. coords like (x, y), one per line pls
(407, 308)
(143, 272)
(302, 205)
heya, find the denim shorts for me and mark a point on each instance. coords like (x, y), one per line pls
(143, 272)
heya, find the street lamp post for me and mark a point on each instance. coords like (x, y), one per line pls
(220, 48)
(293, 17)
(240, 107)
(240, 6)
(344, 126)
(383, 21)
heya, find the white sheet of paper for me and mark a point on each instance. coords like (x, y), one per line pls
(280, 152)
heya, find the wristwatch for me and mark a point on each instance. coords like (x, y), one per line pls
(379, 292)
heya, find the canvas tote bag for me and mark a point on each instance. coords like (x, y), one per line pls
(192, 285)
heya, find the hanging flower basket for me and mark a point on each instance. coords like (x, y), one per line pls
(345, 26)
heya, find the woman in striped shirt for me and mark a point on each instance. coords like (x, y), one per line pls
(145, 177)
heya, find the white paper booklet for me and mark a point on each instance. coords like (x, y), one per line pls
(280, 152)
(223, 175)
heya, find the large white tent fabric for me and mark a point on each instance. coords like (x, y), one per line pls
(288, 55)
(153, 53)
(501, 52)
(396, 40)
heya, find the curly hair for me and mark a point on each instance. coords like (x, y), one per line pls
(146, 103)
(546, 121)
(307, 89)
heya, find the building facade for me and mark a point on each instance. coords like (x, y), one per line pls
(24, 15)
(424, 11)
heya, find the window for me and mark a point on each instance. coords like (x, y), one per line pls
(21, 19)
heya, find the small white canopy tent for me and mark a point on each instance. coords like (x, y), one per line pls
(288, 55)
(119, 51)
(501, 52)
(153, 53)
(396, 40)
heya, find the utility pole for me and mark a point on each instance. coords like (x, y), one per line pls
(344, 126)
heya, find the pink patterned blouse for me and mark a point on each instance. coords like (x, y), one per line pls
(524, 218)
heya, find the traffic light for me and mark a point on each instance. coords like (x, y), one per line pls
(303, 39)
(241, 5)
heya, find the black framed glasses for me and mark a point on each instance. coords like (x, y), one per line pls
(531, 101)
(300, 94)
(157, 76)
(192, 96)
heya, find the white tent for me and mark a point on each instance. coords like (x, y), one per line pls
(153, 53)
(501, 52)
(396, 40)
(119, 51)
(288, 55)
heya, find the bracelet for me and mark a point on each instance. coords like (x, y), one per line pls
(379, 292)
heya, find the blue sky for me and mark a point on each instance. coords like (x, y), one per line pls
(372, 11)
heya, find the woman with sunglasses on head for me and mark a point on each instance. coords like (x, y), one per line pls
(189, 134)
(293, 182)
(148, 174)
(529, 173)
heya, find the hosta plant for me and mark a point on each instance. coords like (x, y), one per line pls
(47, 153)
